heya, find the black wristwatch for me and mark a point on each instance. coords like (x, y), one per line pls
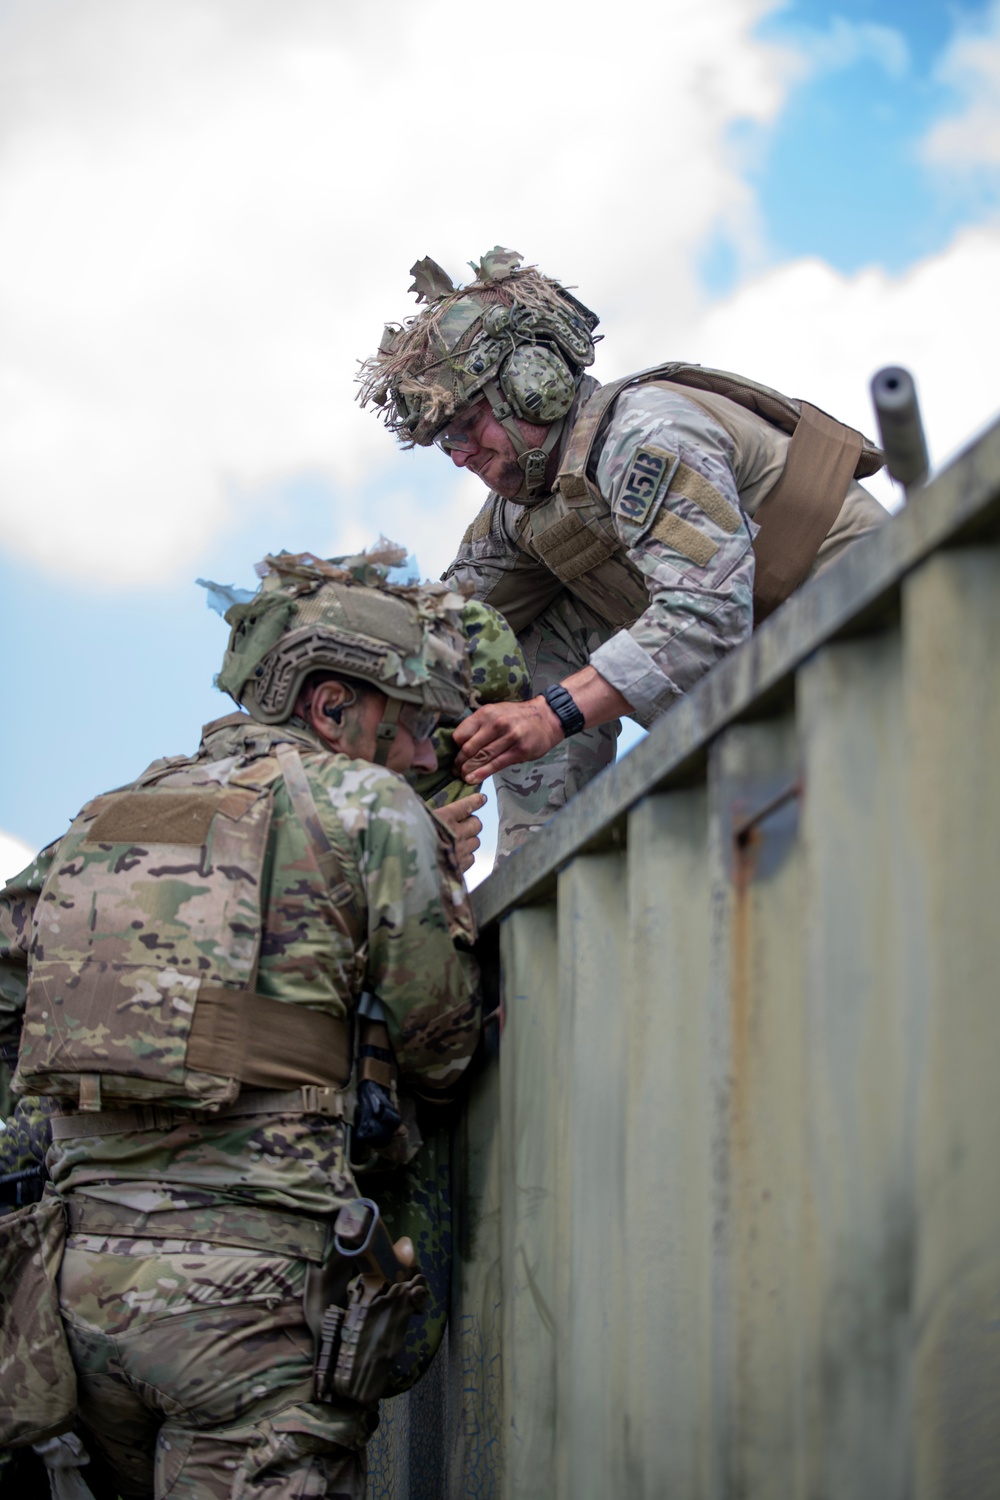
(565, 710)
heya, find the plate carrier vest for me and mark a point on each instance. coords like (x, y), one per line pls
(147, 938)
(573, 533)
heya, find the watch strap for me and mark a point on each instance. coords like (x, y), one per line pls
(565, 708)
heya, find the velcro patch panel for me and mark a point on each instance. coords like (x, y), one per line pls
(650, 467)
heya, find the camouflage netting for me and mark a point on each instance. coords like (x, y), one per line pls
(437, 362)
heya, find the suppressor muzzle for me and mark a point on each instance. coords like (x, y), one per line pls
(900, 428)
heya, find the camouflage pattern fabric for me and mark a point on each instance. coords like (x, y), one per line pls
(23, 1143)
(682, 479)
(696, 610)
(37, 1379)
(556, 644)
(500, 674)
(24, 1140)
(672, 477)
(403, 870)
(195, 1371)
(17, 905)
(148, 1315)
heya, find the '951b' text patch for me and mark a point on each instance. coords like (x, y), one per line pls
(642, 484)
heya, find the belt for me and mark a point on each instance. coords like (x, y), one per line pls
(310, 1099)
(224, 1224)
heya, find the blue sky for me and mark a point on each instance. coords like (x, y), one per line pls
(841, 174)
(208, 209)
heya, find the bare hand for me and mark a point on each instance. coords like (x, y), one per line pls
(460, 820)
(504, 734)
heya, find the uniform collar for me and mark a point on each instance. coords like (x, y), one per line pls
(239, 733)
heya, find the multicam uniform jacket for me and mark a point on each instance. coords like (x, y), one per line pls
(682, 475)
(408, 889)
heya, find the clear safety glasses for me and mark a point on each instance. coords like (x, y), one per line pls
(420, 722)
(457, 436)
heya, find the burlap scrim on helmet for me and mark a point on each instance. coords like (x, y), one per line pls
(434, 364)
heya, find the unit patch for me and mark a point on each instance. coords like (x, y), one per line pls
(643, 483)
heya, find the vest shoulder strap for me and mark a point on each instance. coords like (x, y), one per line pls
(796, 516)
(346, 911)
(304, 806)
(823, 456)
(781, 411)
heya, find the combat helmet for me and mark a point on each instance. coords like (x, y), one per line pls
(344, 617)
(512, 335)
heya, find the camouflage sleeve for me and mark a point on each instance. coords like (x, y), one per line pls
(666, 469)
(17, 905)
(420, 924)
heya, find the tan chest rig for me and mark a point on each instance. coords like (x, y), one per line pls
(572, 531)
(147, 938)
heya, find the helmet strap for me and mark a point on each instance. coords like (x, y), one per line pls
(387, 729)
(533, 461)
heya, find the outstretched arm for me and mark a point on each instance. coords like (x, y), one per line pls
(505, 734)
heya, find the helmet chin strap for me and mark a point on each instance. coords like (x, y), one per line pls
(532, 461)
(386, 730)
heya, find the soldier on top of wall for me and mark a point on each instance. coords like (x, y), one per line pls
(632, 532)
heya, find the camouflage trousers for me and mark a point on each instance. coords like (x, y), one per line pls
(555, 644)
(194, 1366)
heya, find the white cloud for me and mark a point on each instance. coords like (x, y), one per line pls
(14, 855)
(813, 332)
(209, 209)
(210, 206)
(970, 139)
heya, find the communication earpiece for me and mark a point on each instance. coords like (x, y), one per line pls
(336, 714)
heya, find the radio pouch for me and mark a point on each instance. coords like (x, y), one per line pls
(361, 1333)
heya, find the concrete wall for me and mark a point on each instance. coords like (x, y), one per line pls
(729, 1205)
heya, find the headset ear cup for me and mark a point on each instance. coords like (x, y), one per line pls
(538, 383)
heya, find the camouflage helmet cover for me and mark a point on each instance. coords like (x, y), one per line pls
(341, 616)
(511, 325)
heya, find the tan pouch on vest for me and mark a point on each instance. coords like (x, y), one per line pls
(37, 1378)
